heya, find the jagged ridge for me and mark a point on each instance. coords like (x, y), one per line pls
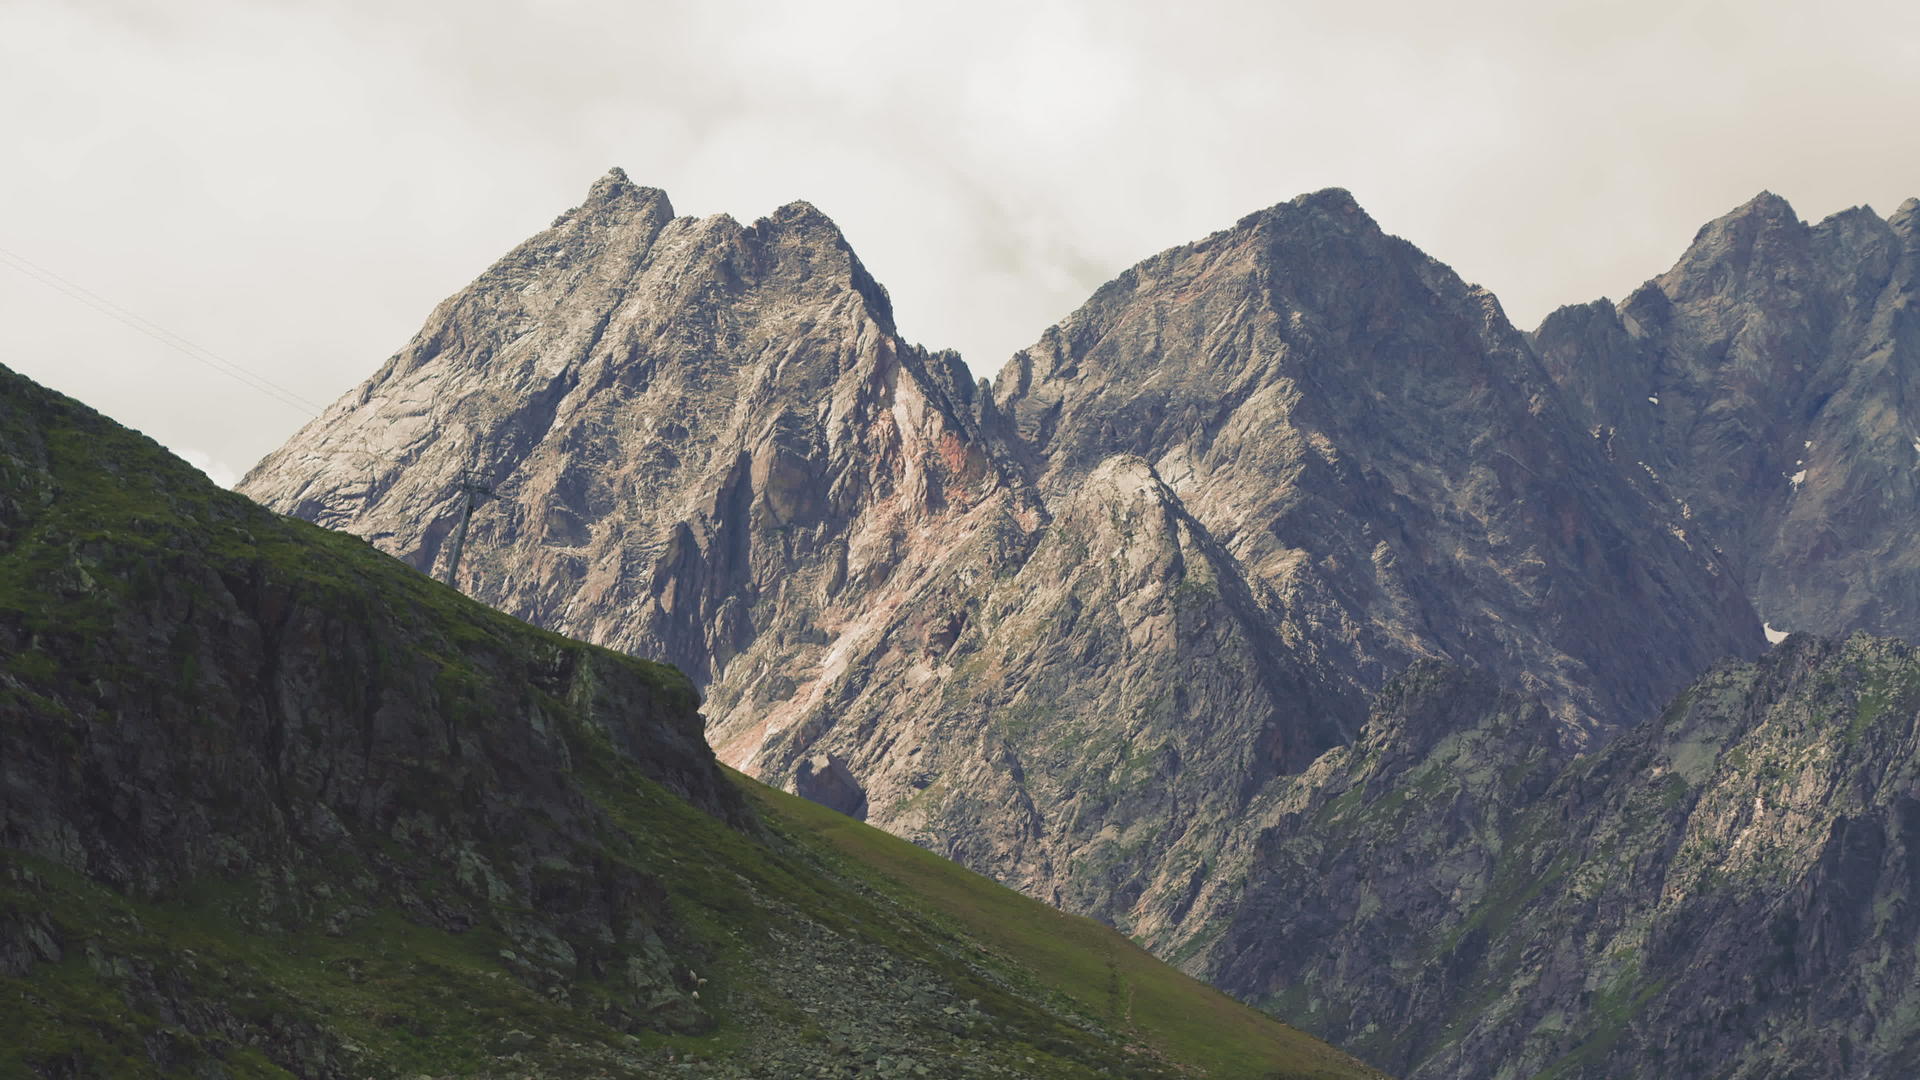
(1767, 382)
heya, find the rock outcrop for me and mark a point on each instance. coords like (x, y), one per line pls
(1727, 890)
(1770, 381)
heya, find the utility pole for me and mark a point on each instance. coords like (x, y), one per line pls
(472, 494)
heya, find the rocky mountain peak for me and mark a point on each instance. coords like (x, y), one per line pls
(1742, 248)
(615, 186)
(1906, 222)
(615, 200)
(1762, 213)
(801, 225)
(682, 419)
(1303, 382)
(1335, 203)
(1333, 200)
(1763, 381)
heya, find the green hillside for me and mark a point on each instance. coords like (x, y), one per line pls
(1089, 964)
(276, 805)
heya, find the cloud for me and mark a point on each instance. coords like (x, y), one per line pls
(295, 185)
(218, 471)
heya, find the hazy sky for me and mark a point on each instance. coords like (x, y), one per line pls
(294, 186)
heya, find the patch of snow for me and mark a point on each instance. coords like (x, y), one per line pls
(1916, 446)
(1774, 637)
(1796, 478)
(1654, 398)
(1808, 445)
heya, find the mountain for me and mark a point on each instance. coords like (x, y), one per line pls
(699, 433)
(274, 804)
(709, 444)
(1283, 606)
(1367, 436)
(1727, 890)
(1066, 628)
(1771, 381)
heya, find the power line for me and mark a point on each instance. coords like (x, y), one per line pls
(472, 491)
(197, 353)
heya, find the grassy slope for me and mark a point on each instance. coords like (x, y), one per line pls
(1095, 966)
(224, 969)
(416, 999)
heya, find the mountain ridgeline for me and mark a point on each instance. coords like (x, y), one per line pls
(275, 805)
(1091, 609)
(1769, 382)
(1281, 527)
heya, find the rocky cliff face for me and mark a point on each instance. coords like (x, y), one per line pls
(1726, 891)
(1367, 435)
(709, 443)
(1768, 381)
(273, 804)
(1080, 722)
(699, 433)
(1057, 628)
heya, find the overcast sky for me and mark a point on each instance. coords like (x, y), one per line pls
(293, 186)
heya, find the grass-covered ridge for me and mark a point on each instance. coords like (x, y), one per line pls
(276, 805)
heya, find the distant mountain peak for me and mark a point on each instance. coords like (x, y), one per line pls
(614, 186)
(1331, 200)
(615, 200)
(1759, 380)
(1765, 203)
(1334, 205)
(807, 222)
(1765, 212)
(1906, 219)
(802, 212)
